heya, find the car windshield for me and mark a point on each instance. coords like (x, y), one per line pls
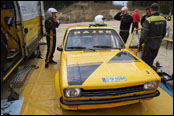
(93, 39)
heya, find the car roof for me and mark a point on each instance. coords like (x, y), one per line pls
(88, 27)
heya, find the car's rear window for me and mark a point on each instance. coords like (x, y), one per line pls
(85, 39)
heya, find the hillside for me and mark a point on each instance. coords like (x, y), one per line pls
(83, 11)
(86, 11)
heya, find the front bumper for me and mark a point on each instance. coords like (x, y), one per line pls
(107, 101)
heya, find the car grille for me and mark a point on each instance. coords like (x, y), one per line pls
(112, 92)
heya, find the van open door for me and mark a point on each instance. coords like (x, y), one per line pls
(11, 52)
(21, 31)
(133, 44)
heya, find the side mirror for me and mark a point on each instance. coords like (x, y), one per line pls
(59, 48)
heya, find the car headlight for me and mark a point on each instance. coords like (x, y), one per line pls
(72, 92)
(151, 85)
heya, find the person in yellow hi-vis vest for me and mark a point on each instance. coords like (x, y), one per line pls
(152, 34)
(51, 23)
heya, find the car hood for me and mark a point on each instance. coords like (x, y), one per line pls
(107, 69)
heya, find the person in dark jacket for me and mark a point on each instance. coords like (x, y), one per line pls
(51, 23)
(152, 34)
(126, 21)
(148, 13)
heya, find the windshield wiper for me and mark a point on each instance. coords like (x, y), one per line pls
(90, 49)
(76, 47)
(101, 46)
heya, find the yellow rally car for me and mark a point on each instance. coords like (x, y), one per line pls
(97, 70)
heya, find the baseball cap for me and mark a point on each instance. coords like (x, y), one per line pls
(155, 5)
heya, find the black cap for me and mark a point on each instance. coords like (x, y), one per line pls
(155, 6)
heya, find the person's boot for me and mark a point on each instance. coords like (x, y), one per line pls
(52, 61)
(46, 64)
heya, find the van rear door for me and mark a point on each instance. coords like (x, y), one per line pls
(32, 22)
(11, 52)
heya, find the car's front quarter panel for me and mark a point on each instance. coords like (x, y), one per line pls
(148, 67)
(60, 79)
(63, 70)
(57, 85)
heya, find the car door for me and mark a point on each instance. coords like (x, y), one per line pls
(133, 43)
